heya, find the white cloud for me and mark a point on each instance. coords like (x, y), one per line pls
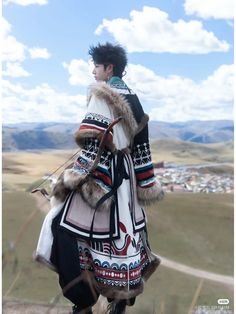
(14, 69)
(5, 27)
(152, 30)
(37, 53)
(40, 104)
(25, 2)
(80, 72)
(12, 50)
(176, 98)
(171, 98)
(206, 9)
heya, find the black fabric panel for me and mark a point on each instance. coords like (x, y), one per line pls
(65, 257)
(137, 109)
(135, 106)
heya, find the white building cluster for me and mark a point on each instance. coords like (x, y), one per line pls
(183, 179)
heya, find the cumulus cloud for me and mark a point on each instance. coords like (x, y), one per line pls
(40, 104)
(80, 72)
(5, 27)
(175, 98)
(206, 9)
(171, 98)
(152, 30)
(37, 53)
(25, 2)
(14, 69)
(12, 50)
(15, 51)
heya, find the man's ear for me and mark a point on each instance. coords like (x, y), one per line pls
(110, 68)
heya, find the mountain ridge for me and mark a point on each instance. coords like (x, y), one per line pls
(55, 135)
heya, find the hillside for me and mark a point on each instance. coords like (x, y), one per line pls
(24, 136)
(34, 137)
(193, 131)
(185, 152)
(179, 229)
(26, 167)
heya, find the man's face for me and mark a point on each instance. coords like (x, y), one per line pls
(101, 73)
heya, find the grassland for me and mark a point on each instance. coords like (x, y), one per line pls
(181, 152)
(22, 168)
(194, 229)
(168, 287)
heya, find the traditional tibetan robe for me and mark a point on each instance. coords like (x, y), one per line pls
(103, 214)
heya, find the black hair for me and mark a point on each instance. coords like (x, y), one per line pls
(110, 54)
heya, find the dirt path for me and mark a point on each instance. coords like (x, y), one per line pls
(227, 280)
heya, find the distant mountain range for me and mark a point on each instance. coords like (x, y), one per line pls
(193, 131)
(53, 135)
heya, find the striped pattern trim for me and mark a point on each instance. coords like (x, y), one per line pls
(102, 172)
(143, 165)
(93, 126)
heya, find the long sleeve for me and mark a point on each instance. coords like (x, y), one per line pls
(88, 138)
(148, 188)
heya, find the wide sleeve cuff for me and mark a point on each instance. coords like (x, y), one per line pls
(72, 178)
(93, 126)
(150, 195)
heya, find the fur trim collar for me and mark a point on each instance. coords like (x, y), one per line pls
(118, 104)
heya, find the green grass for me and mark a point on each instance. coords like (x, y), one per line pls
(195, 229)
(184, 152)
(35, 282)
(176, 290)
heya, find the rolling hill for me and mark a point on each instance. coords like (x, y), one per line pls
(194, 131)
(185, 152)
(53, 135)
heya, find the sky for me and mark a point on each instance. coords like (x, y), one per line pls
(180, 55)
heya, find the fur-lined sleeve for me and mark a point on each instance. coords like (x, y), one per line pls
(104, 104)
(149, 190)
(95, 122)
(88, 138)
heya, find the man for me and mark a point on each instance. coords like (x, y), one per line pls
(99, 235)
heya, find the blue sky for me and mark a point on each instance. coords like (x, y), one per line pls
(180, 56)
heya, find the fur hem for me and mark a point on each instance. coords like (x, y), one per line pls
(119, 294)
(150, 195)
(154, 263)
(118, 104)
(111, 292)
